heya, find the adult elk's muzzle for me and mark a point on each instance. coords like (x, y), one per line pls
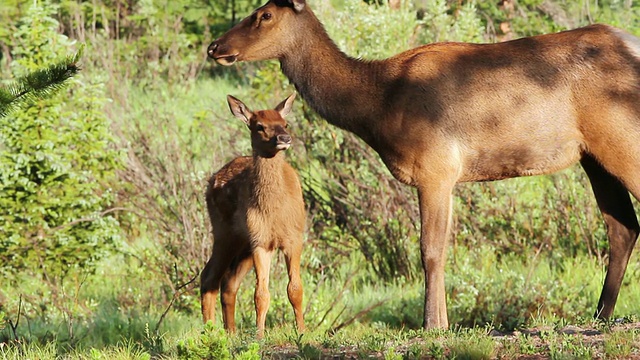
(221, 54)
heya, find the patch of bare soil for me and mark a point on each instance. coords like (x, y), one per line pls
(531, 344)
(589, 337)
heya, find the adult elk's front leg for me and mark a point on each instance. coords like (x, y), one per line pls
(435, 218)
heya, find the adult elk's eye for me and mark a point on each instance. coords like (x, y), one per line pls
(259, 127)
(265, 16)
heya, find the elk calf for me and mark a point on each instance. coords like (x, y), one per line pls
(255, 206)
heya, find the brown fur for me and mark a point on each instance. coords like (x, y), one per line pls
(255, 206)
(446, 113)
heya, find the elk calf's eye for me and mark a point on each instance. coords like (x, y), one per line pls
(266, 16)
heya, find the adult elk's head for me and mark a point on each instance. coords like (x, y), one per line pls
(260, 36)
(268, 127)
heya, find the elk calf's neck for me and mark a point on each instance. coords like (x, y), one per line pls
(255, 206)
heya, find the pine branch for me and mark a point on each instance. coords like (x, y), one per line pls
(39, 84)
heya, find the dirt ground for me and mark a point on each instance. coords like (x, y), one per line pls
(540, 340)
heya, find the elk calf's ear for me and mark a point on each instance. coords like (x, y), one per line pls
(284, 108)
(298, 5)
(239, 109)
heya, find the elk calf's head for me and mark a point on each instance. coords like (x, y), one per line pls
(268, 127)
(262, 35)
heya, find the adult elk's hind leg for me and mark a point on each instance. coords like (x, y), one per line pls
(294, 289)
(229, 289)
(622, 229)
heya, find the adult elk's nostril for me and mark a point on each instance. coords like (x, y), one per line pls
(212, 49)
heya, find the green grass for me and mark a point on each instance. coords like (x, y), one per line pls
(122, 309)
(621, 344)
(363, 342)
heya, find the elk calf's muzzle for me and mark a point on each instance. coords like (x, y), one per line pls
(283, 141)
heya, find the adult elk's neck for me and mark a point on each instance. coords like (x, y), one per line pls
(343, 90)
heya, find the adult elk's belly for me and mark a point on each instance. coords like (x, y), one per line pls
(510, 160)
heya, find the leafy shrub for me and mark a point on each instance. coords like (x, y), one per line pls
(172, 148)
(3, 321)
(212, 344)
(57, 180)
(512, 19)
(57, 166)
(251, 353)
(439, 23)
(556, 215)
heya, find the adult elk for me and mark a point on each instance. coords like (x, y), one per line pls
(446, 113)
(255, 206)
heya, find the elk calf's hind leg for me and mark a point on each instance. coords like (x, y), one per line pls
(230, 285)
(208, 298)
(211, 279)
(262, 263)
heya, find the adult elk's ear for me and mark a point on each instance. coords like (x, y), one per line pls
(284, 108)
(298, 5)
(239, 109)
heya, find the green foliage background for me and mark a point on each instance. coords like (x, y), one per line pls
(104, 229)
(57, 159)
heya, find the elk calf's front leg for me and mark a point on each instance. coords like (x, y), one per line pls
(294, 289)
(262, 263)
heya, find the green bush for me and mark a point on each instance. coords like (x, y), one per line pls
(57, 165)
(212, 344)
(57, 175)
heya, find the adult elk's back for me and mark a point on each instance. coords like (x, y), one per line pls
(255, 206)
(446, 113)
